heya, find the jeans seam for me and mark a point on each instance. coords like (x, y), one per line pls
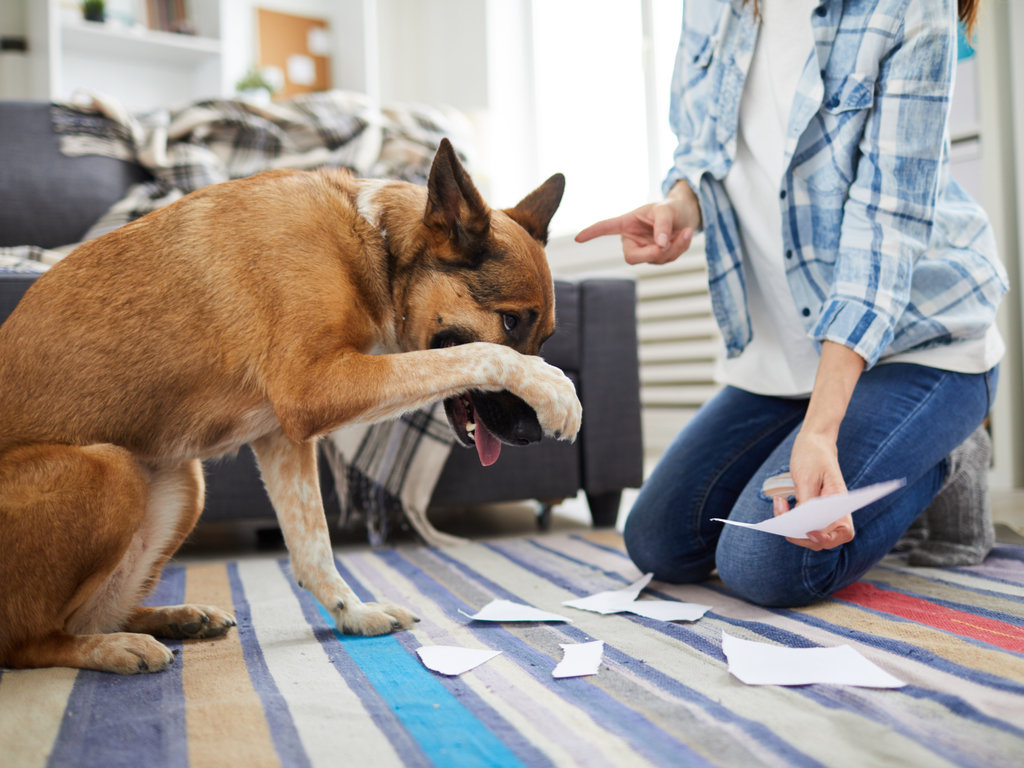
(892, 432)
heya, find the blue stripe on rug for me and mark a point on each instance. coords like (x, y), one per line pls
(448, 733)
(425, 723)
(275, 709)
(377, 708)
(646, 737)
(95, 732)
(485, 714)
(1002, 551)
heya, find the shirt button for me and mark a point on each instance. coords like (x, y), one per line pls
(805, 312)
(821, 10)
(782, 195)
(789, 254)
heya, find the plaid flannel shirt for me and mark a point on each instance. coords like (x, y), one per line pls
(884, 251)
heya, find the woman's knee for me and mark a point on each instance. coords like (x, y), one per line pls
(672, 559)
(763, 572)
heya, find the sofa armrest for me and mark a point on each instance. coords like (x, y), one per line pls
(612, 444)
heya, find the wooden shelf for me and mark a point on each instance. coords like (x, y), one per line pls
(105, 40)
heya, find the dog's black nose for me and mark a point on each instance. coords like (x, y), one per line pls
(508, 417)
(527, 432)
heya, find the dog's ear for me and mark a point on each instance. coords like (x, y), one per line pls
(534, 212)
(454, 206)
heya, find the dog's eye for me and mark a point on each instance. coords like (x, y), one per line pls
(509, 321)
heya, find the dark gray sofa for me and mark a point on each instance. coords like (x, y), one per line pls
(48, 199)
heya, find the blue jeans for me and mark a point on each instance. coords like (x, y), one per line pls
(902, 422)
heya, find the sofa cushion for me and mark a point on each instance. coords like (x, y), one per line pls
(51, 199)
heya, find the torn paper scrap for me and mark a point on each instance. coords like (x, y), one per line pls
(506, 610)
(668, 610)
(764, 664)
(579, 659)
(452, 660)
(818, 513)
(614, 601)
(625, 601)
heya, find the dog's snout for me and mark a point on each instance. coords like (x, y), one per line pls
(507, 417)
(449, 337)
(527, 432)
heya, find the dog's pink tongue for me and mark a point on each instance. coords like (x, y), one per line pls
(488, 447)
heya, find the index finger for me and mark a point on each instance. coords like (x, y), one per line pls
(601, 228)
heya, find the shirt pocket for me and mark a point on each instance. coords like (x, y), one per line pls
(836, 134)
(848, 94)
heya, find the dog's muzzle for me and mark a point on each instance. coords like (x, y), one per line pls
(485, 420)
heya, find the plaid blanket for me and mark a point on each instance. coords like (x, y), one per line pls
(385, 473)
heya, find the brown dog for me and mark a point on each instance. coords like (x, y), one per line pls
(247, 312)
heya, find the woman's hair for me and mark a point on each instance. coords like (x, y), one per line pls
(967, 10)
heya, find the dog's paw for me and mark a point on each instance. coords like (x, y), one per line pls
(182, 622)
(553, 397)
(372, 619)
(199, 622)
(127, 653)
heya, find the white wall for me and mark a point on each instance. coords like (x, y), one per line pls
(14, 73)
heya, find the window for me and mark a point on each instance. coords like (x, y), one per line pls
(601, 71)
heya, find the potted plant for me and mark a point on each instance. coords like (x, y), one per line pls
(255, 87)
(94, 10)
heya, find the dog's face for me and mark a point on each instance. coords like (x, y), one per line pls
(482, 275)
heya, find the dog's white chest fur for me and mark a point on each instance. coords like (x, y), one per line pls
(366, 201)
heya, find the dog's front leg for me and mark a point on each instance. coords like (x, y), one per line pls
(290, 476)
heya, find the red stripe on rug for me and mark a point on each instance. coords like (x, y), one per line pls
(996, 633)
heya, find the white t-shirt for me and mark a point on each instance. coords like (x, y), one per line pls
(780, 358)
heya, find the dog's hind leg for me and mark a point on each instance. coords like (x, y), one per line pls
(290, 476)
(70, 518)
(175, 503)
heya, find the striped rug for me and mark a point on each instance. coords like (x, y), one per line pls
(285, 689)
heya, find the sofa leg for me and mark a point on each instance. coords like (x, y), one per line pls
(544, 515)
(604, 508)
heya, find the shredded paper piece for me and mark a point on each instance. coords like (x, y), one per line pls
(764, 664)
(668, 610)
(612, 601)
(506, 610)
(452, 660)
(820, 512)
(625, 601)
(579, 659)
